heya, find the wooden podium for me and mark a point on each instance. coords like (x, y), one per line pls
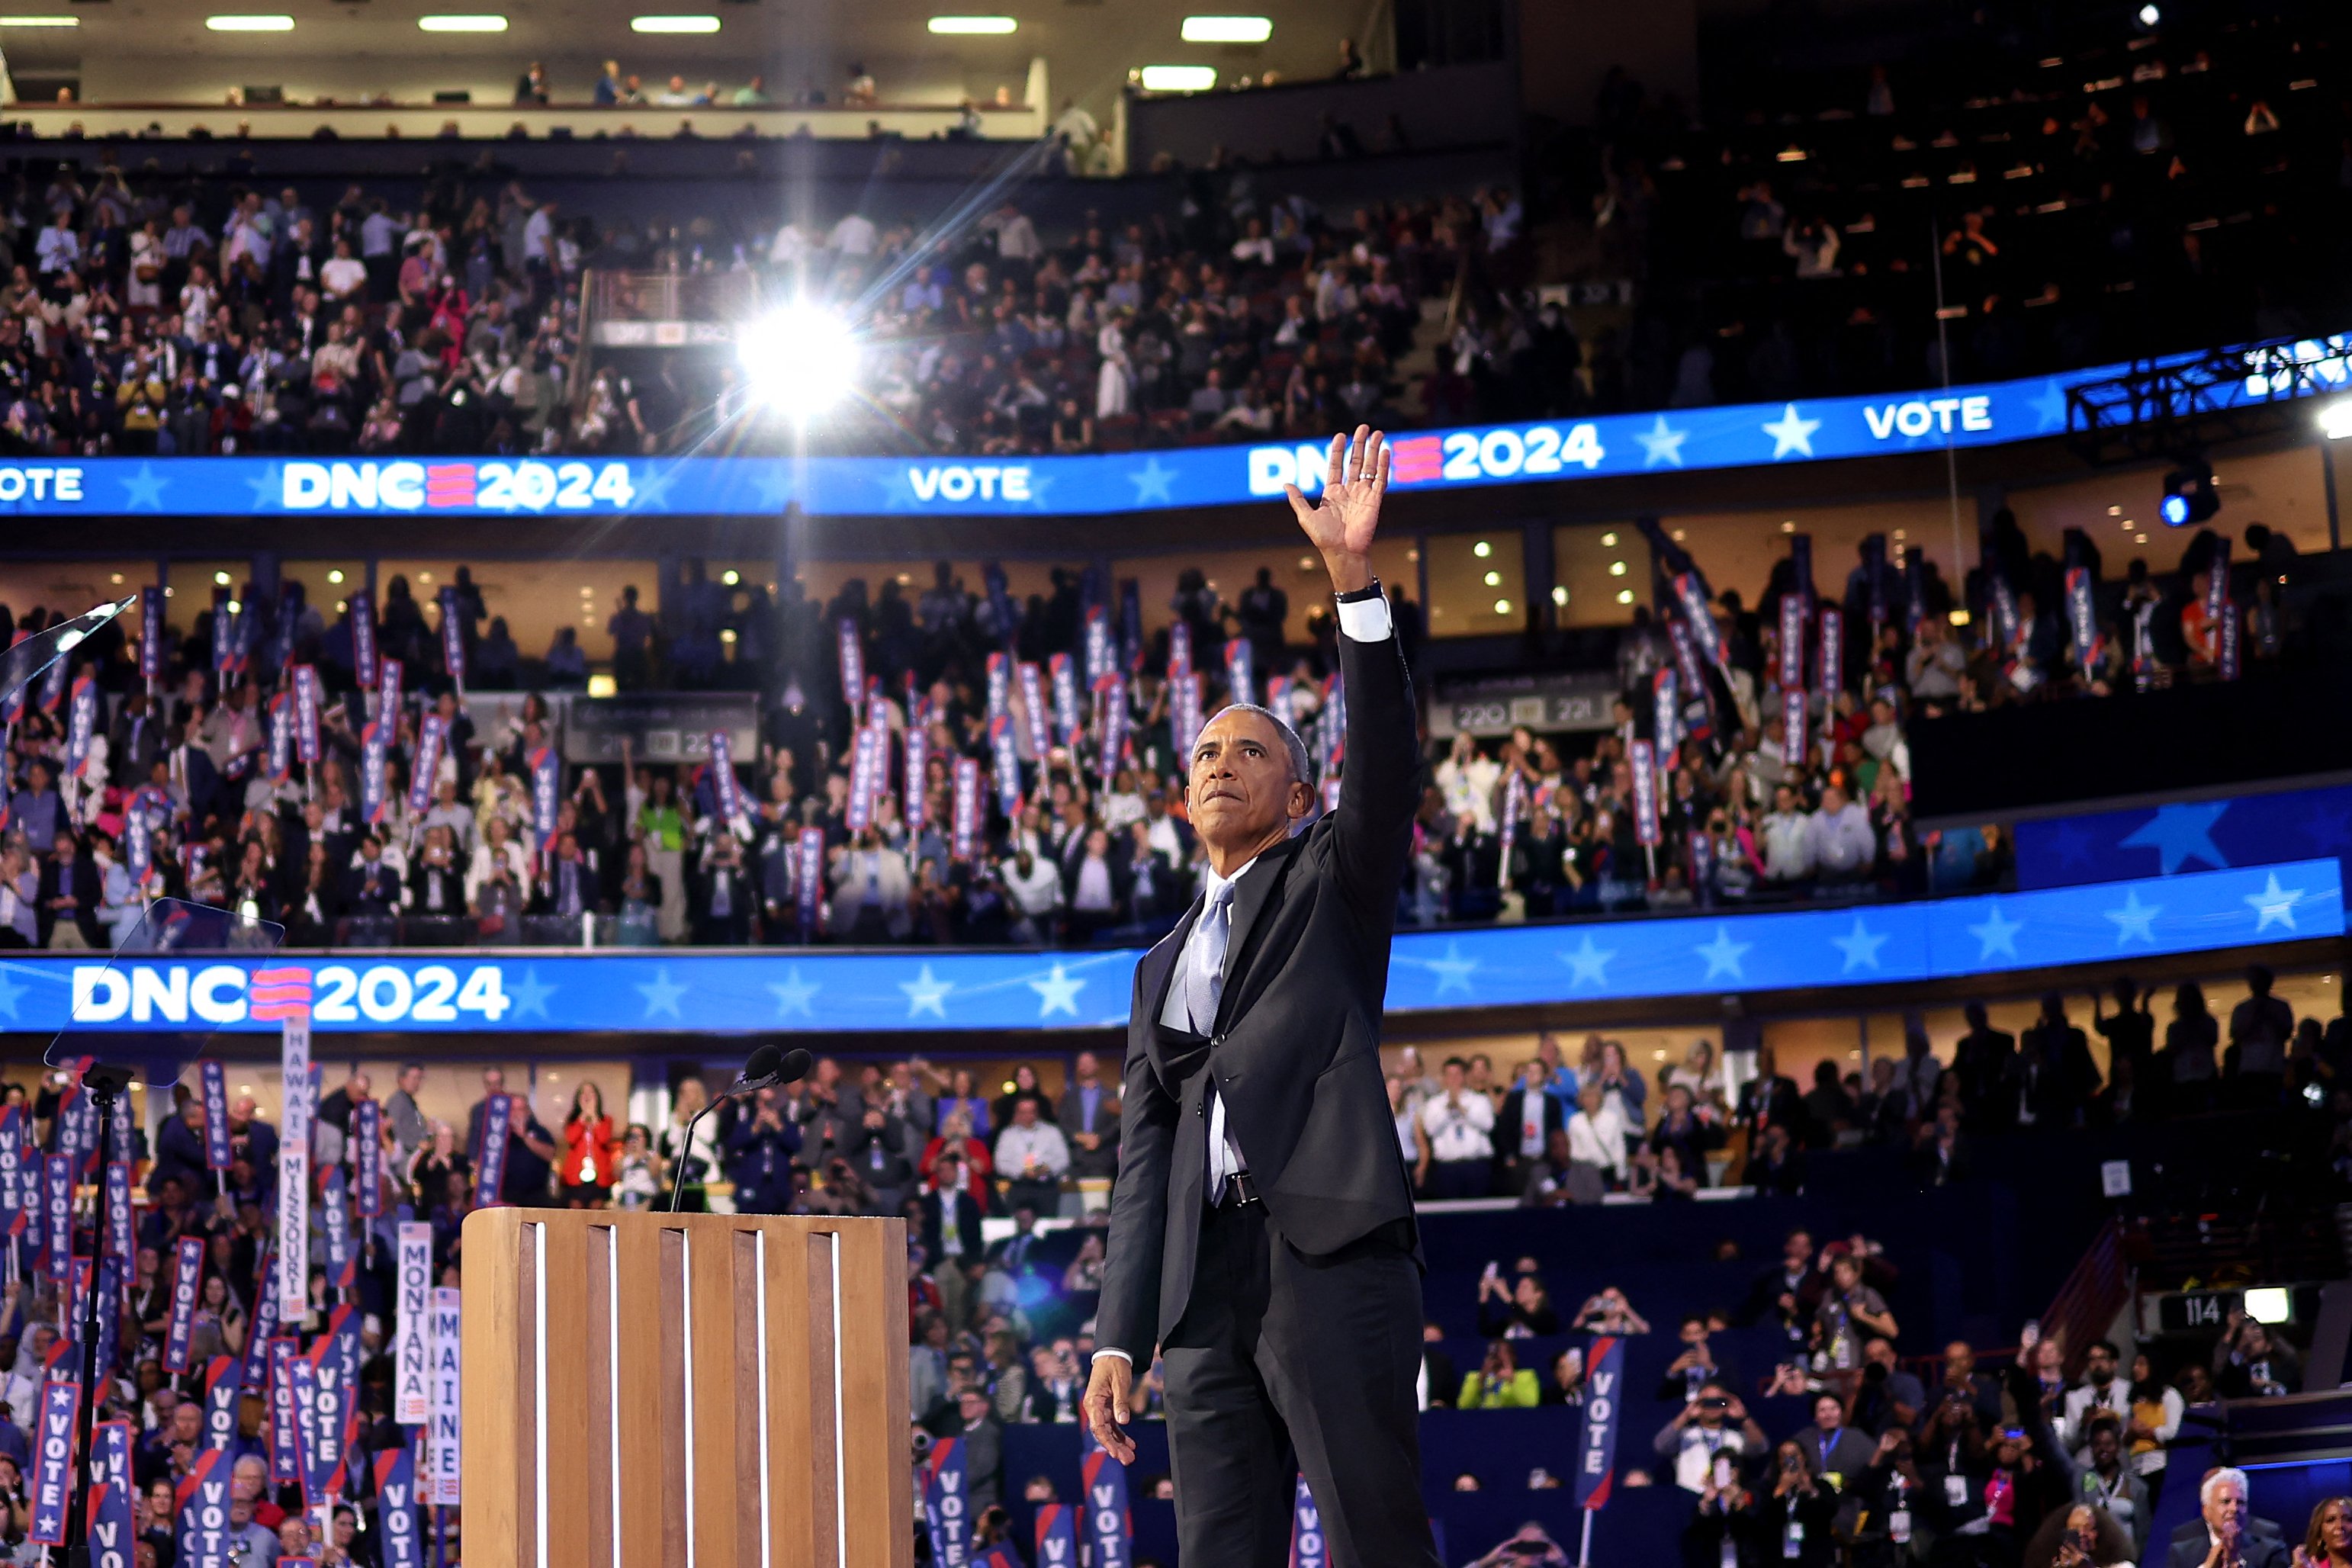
(723, 1391)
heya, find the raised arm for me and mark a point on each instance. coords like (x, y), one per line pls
(1379, 784)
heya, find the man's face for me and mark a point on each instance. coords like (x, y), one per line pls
(2101, 1366)
(1959, 1362)
(1452, 1076)
(1828, 1414)
(2225, 1508)
(2104, 1445)
(1241, 790)
(1880, 1354)
(494, 1081)
(1086, 1066)
(1798, 1249)
(1024, 1114)
(413, 1080)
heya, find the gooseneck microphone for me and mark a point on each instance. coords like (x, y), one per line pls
(769, 1067)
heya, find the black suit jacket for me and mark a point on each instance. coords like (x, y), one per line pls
(1295, 1048)
(967, 1227)
(2260, 1545)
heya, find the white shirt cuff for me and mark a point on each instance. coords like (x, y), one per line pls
(1105, 1350)
(1366, 620)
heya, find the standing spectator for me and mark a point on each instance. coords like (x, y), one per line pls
(1830, 1448)
(1714, 1426)
(2259, 1028)
(1523, 1129)
(2054, 1076)
(1089, 1117)
(2191, 1042)
(590, 1145)
(2249, 1363)
(2101, 1392)
(1032, 1157)
(1460, 1124)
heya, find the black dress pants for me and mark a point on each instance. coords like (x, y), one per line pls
(1286, 1364)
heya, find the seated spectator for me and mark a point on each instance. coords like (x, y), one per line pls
(1696, 1365)
(1523, 1310)
(2329, 1542)
(1832, 1448)
(1565, 1385)
(2225, 1531)
(1607, 1311)
(1500, 1383)
(2109, 1485)
(2249, 1363)
(1715, 1423)
(1888, 1397)
(1849, 1310)
(1799, 1508)
(2081, 1534)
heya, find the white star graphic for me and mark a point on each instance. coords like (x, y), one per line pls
(1150, 482)
(1998, 933)
(143, 491)
(651, 492)
(1661, 444)
(773, 480)
(2049, 408)
(661, 994)
(1589, 964)
(926, 994)
(1792, 433)
(1860, 946)
(1452, 971)
(792, 993)
(530, 996)
(2274, 903)
(268, 488)
(1723, 954)
(9, 992)
(2134, 919)
(1058, 992)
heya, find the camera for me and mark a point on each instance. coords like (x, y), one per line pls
(1714, 1402)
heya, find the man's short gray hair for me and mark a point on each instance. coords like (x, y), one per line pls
(2226, 1473)
(1300, 772)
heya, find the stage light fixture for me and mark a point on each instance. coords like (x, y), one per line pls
(2336, 420)
(1179, 78)
(2189, 494)
(800, 360)
(1228, 29)
(2149, 15)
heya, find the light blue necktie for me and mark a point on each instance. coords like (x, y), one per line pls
(1204, 979)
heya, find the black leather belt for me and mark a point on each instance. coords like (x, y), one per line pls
(1239, 1190)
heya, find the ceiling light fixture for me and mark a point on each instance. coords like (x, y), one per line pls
(250, 23)
(974, 26)
(461, 23)
(1228, 29)
(673, 24)
(1179, 78)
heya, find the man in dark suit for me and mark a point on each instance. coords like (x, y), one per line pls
(1985, 1061)
(1523, 1129)
(1261, 1232)
(2224, 1535)
(1088, 1118)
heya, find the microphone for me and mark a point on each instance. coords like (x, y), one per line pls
(759, 1071)
(769, 1067)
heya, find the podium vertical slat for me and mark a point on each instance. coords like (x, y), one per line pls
(880, 1477)
(753, 1413)
(824, 1397)
(719, 1460)
(792, 1453)
(674, 1473)
(652, 1517)
(496, 1336)
(567, 1440)
(602, 1295)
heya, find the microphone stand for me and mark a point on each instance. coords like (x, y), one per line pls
(686, 1150)
(104, 1086)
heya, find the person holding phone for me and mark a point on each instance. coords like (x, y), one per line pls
(1713, 1425)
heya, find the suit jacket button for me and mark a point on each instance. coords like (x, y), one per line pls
(1216, 1040)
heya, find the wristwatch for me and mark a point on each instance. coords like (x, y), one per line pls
(1370, 589)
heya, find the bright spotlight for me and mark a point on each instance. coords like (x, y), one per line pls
(2336, 420)
(2149, 15)
(800, 359)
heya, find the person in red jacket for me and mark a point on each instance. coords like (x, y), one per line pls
(956, 1134)
(589, 1148)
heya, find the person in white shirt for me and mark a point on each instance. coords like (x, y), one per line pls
(2101, 1391)
(1467, 778)
(344, 277)
(1460, 1125)
(1016, 235)
(1596, 1133)
(1711, 1431)
(1788, 839)
(1036, 888)
(1032, 1157)
(855, 235)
